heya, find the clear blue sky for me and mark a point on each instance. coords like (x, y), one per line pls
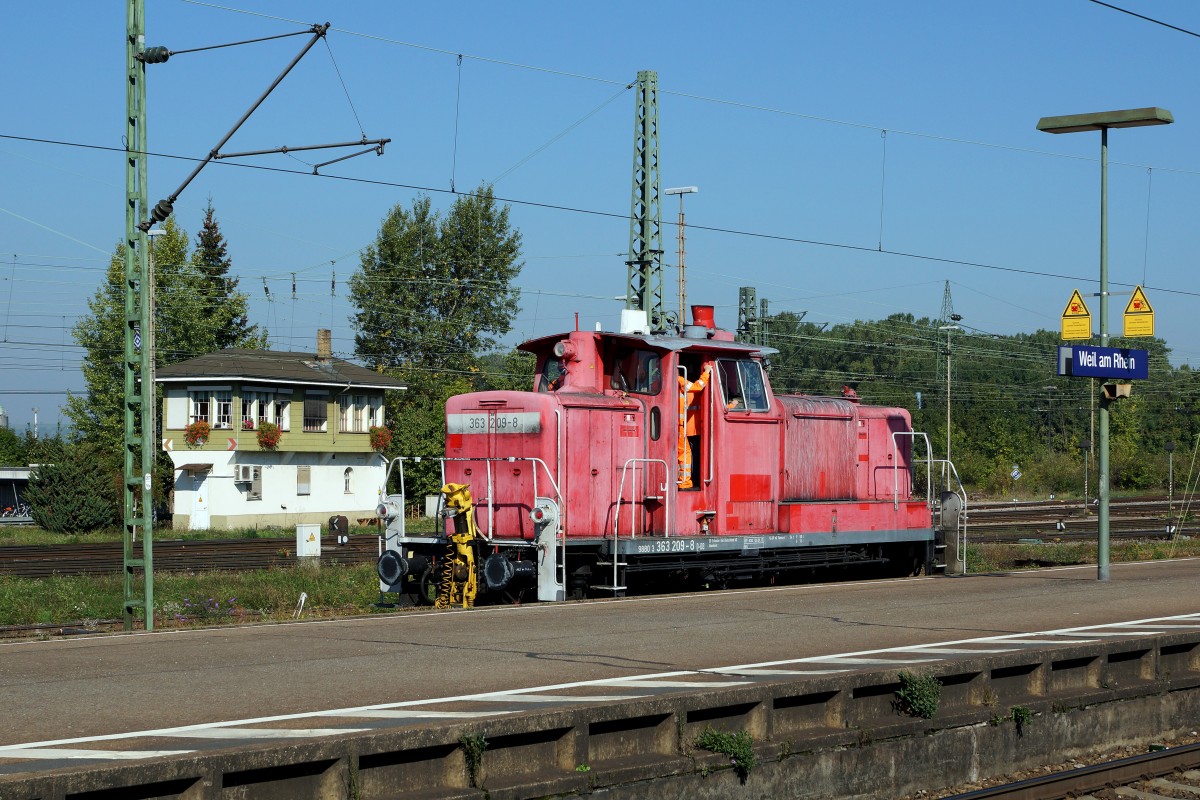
(840, 134)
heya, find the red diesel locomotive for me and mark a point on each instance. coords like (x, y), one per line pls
(642, 461)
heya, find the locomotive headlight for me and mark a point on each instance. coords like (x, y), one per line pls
(564, 350)
(387, 509)
(544, 512)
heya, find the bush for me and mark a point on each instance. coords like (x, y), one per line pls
(73, 494)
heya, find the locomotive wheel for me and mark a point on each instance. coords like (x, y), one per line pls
(581, 579)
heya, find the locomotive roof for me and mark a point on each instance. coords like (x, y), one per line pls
(674, 343)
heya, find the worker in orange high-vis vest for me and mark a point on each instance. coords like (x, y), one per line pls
(689, 411)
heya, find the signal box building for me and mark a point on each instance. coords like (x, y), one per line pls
(261, 438)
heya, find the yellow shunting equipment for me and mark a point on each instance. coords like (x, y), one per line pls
(458, 583)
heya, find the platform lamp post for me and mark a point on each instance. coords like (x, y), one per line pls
(1102, 121)
(955, 318)
(1085, 447)
(681, 191)
(1170, 448)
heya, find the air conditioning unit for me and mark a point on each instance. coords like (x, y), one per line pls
(243, 473)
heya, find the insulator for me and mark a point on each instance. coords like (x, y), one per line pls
(161, 211)
(391, 567)
(155, 55)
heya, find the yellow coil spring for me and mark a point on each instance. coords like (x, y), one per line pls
(446, 588)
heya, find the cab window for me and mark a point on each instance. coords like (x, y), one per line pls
(742, 385)
(637, 372)
(553, 374)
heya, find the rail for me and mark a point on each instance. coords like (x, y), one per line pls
(1097, 777)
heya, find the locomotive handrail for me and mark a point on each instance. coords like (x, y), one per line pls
(487, 461)
(948, 471)
(621, 494)
(383, 492)
(896, 466)
(631, 464)
(960, 529)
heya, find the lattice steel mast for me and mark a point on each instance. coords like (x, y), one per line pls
(645, 287)
(138, 358)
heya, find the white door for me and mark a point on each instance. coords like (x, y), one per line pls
(199, 521)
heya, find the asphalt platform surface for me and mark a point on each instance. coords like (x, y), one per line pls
(117, 684)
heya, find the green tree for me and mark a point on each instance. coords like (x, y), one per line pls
(12, 454)
(433, 293)
(193, 315)
(432, 296)
(76, 493)
(222, 303)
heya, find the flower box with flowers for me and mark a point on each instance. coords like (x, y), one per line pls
(197, 433)
(247, 424)
(268, 435)
(381, 438)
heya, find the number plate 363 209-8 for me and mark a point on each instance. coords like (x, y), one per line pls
(494, 422)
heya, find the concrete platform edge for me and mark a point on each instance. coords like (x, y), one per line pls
(827, 736)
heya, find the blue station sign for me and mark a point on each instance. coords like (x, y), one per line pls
(1086, 361)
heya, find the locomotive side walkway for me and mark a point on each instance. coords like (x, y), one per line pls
(618, 687)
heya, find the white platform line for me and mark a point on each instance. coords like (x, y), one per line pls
(632, 683)
(261, 733)
(387, 713)
(1113, 634)
(886, 662)
(769, 672)
(55, 753)
(957, 651)
(1035, 641)
(557, 698)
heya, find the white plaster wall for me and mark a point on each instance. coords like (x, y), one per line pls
(280, 504)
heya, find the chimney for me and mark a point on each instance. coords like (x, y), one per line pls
(324, 345)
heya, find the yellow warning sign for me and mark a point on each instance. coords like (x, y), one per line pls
(1139, 315)
(1076, 319)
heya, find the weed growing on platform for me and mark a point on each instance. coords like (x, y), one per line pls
(1021, 716)
(919, 694)
(738, 746)
(473, 745)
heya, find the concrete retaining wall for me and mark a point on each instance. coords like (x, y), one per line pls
(830, 736)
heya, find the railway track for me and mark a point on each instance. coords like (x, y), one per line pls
(1161, 775)
(40, 561)
(1133, 518)
(1046, 520)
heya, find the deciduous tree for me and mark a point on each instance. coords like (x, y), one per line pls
(432, 295)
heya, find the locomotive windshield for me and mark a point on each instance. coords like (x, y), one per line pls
(743, 385)
(638, 372)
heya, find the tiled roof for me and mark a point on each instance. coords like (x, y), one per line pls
(271, 366)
